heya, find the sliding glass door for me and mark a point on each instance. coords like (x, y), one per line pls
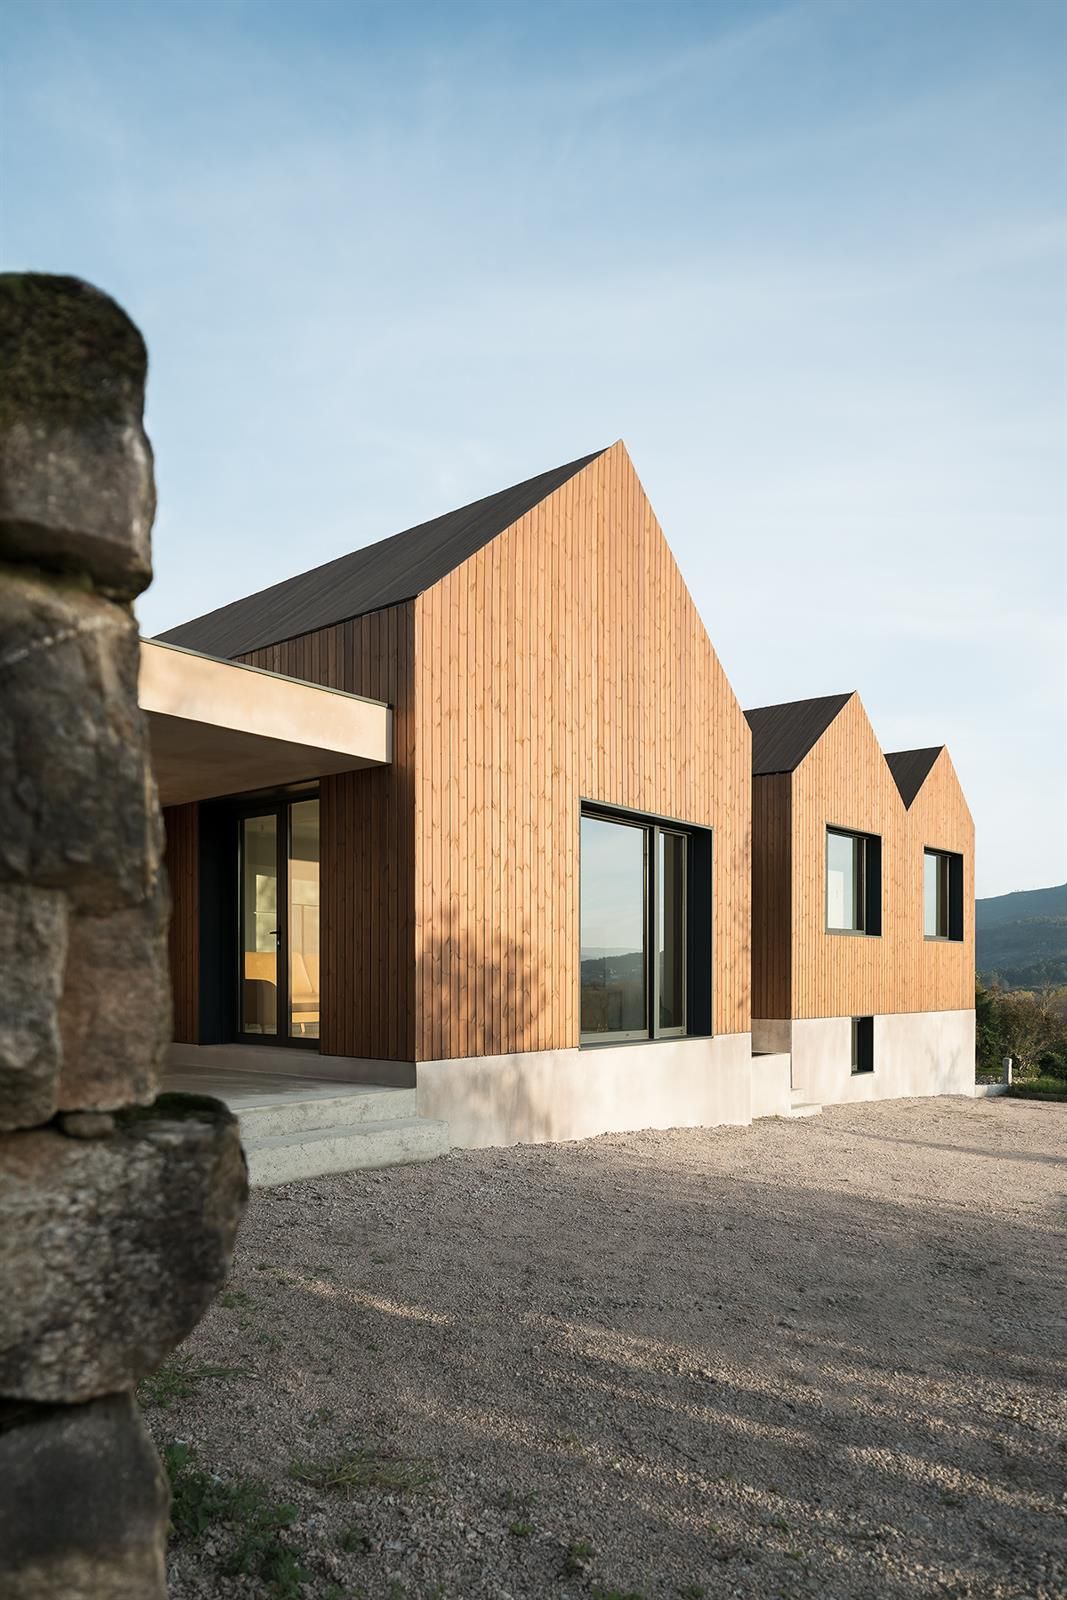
(278, 923)
(633, 929)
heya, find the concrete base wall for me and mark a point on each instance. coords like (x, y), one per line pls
(771, 1096)
(541, 1096)
(771, 1036)
(915, 1053)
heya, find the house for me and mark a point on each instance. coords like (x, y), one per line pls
(476, 822)
(470, 843)
(862, 912)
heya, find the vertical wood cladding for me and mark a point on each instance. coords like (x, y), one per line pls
(367, 822)
(564, 661)
(182, 861)
(772, 896)
(845, 782)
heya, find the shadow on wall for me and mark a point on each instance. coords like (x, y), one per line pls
(487, 995)
(483, 1011)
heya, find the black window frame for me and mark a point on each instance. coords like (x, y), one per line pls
(220, 823)
(870, 872)
(862, 1045)
(698, 897)
(955, 895)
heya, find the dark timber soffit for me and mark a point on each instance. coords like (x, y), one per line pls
(382, 574)
(910, 769)
(783, 735)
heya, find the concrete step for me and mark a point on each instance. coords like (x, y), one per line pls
(803, 1108)
(268, 1115)
(314, 1152)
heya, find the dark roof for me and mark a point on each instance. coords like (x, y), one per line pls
(909, 769)
(783, 735)
(382, 574)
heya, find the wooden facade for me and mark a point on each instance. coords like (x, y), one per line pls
(563, 661)
(801, 970)
(367, 932)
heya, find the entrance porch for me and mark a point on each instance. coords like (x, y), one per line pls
(238, 755)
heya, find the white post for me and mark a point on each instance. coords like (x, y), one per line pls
(1006, 1064)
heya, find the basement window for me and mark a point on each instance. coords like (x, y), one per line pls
(645, 928)
(942, 894)
(862, 1044)
(853, 882)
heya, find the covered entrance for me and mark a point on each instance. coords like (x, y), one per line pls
(240, 757)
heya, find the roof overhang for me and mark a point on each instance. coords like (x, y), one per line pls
(220, 728)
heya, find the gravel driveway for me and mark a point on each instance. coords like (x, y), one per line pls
(806, 1358)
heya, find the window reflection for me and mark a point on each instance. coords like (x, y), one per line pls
(614, 985)
(304, 918)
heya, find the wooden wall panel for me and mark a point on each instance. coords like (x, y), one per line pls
(939, 973)
(845, 781)
(772, 881)
(182, 861)
(367, 818)
(564, 661)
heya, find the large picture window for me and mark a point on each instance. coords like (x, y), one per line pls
(942, 894)
(636, 924)
(853, 882)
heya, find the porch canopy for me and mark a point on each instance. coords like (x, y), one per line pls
(220, 728)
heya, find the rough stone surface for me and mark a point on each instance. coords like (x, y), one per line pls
(76, 485)
(87, 1124)
(33, 944)
(83, 1513)
(78, 807)
(112, 1249)
(115, 1016)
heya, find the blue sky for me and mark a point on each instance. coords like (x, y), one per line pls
(806, 259)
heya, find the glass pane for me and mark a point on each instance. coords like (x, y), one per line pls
(844, 881)
(304, 918)
(613, 958)
(930, 878)
(670, 930)
(944, 867)
(259, 925)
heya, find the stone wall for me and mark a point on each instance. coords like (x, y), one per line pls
(118, 1210)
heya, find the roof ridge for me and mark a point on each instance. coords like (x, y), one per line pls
(371, 578)
(783, 734)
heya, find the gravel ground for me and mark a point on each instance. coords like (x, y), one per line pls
(806, 1358)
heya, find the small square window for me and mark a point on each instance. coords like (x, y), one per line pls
(862, 1044)
(942, 894)
(853, 882)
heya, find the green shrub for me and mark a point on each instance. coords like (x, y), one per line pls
(1052, 1064)
(1039, 1089)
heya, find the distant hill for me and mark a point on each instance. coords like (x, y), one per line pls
(1022, 938)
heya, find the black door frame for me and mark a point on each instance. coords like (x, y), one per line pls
(277, 806)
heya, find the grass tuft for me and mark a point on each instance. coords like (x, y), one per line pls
(362, 1468)
(577, 1558)
(250, 1523)
(179, 1379)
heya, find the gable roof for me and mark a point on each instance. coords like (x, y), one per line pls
(382, 574)
(783, 735)
(910, 769)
